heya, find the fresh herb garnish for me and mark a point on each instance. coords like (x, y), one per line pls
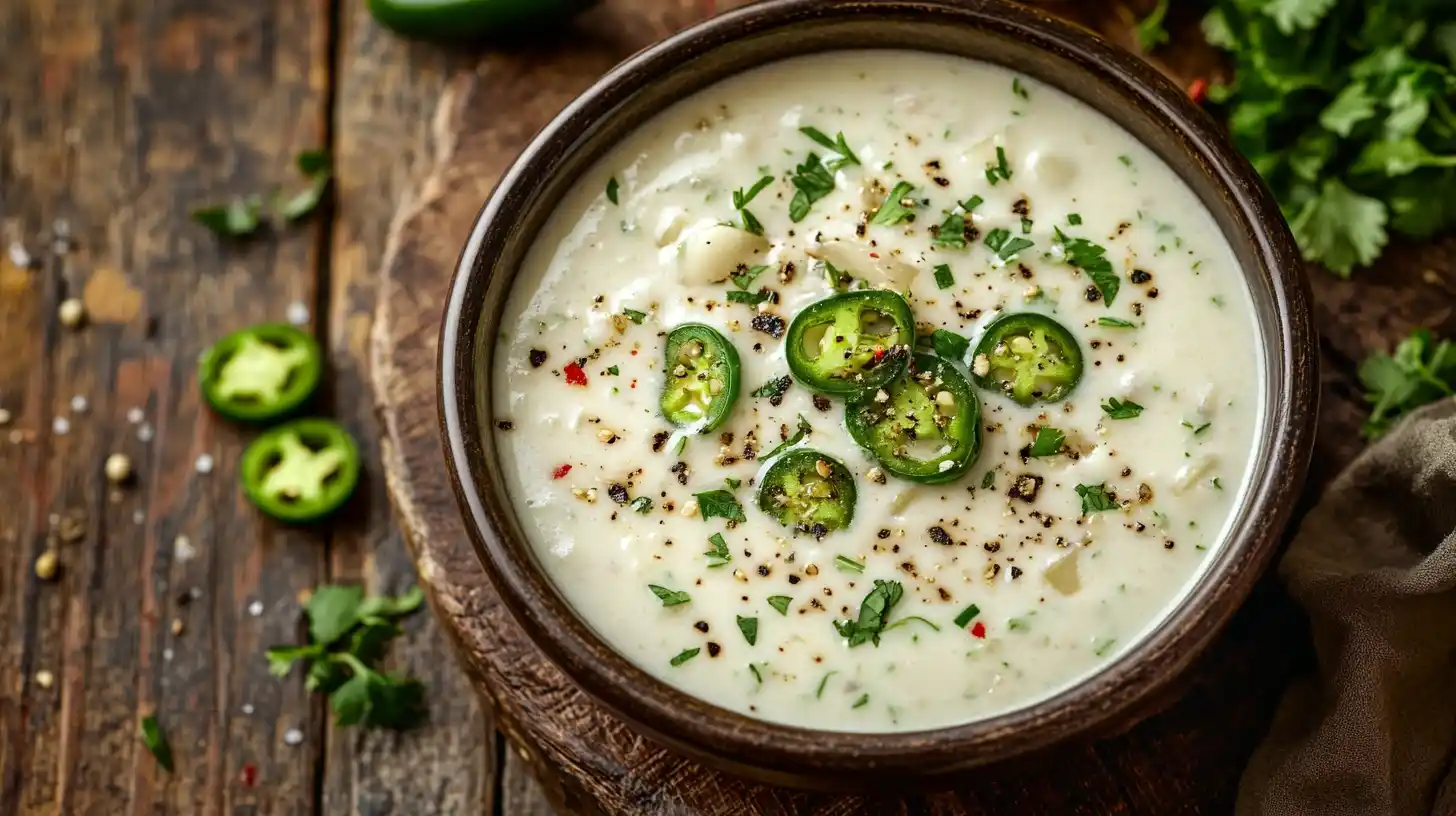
(237, 219)
(780, 603)
(315, 166)
(1000, 171)
(847, 564)
(732, 483)
(1103, 646)
(719, 554)
(750, 298)
(913, 618)
(156, 741)
(1197, 429)
(1121, 409)
(1092, 259)
(1150, 32)
(803, 430)
(1021, 623)
(741, 200)
(669, 597)
(754, 670)
(719, 504)
(749, 628)
(948, 345)
(684, 656)
(1096, 498)
(966, 616)
(894, 210)
(812, 182)
(1074, 220)
(614, 371)
(970, 204)
(1420, 371)
(635, 316)
(612, 189)
(1115, 323)
(1006, 247)
(951, 234)
(874, 612)
(989, 480)
(775, 388)
(862, 701)
(745, 278)
(944, 278)
(838, 145)
(1019, 89)
(642, 504)
(1048, 442)
(348, 634)
(819, 692)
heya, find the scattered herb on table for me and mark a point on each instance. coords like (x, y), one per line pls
(348, 634)
(155, 739)
(242, 217)
(1345, 108)
(1150, 32)
(1422, 370)
(874, 613)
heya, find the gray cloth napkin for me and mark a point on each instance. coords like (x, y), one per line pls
(1374, 566)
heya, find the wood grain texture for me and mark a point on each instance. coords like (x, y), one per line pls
(1184, 760)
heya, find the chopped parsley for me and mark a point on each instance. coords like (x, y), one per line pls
(893, 211)
(719, 553)
(669, 597)
(635, 316)
(862, 701)
(156, 741)
(989, 480)
(1096, 498)
(944, 278)
(951, 234)
(741, 200)
(749, 628)
(1048, 442)
(1122, 409)
(780, 603)
(1019, 89)
(966, 616)
(612, 189)
(819, 692)
(642, 504)
(684, 656)
(720, 504)
(1092, 259)
(1151, 34)
(745, 278)
(874, 612)
(750, 298)
(614, 371)
(972, 203)
(847, 564)
(1115, 323)
(1020, 624)
(1074, 219)
(774, 389)
(1197, 429)
(1026, 224)
(756, 676)
(1000, 171)
(804, 430)
(1103, 646)
(732, 483)
(838, 145)
(999, 241)
(948, 345)
(812, 182)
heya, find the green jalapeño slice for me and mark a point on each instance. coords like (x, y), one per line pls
(925, 427)
(700, 382)
(809, 491)
(261, 373)
(1028, 357)
(849, 343)
(301, 471)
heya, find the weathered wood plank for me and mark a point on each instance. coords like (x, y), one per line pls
(120, 116)
(385, 98)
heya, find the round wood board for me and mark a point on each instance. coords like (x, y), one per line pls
(1186, 759)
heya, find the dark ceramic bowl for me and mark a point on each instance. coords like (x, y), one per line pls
(1055, 52)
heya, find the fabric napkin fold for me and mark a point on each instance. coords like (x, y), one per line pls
(1374, 566)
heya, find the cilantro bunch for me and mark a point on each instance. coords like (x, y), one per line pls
(348, 634)
(1422, 370)
(1345, 107)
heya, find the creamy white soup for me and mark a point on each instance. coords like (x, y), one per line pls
(751, 551)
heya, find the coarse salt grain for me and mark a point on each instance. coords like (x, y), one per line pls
(79, 404)
(293, 736)
(182, 549)
(135, 416)
(19, 255)
(297, 313)
(204, 463)
(61, 426)
(145, 433)
(167, 654)
(248, 708)
(255, 608)
(4, 417)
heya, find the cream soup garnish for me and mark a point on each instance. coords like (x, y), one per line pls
(989, 464)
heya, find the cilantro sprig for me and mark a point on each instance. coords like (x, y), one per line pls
(741, 199)
(347, 636)
(1422, 370)
(874, 613)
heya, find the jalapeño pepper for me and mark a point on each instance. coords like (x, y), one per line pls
(700, 377)
(925, 427)
(852, 342)
(260, 373)
(809, 491)
(454, 20)
(301, 471)
(1028, 357)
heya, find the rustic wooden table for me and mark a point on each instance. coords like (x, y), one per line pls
(116, 118)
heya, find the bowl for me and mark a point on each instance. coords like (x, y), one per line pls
(1120, 85)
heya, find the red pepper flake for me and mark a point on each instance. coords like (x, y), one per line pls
(249, 776)
(874, 254)
(879, 354)
(560, 471)
(574, 374)
(1198, 90)
(979, 630)
(634, 352)
(634, 383)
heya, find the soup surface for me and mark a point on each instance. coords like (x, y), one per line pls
(914, 581)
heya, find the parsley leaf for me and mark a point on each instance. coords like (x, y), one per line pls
(874, 613)
(236, 219)
(749, 628)
(948, 345)
(774, 389)
(156, 741)
(1006, 247)
(1121, 409)
(894, 210)
(951, 233)
(1150, 31)
(1340, 228)
(750, 298)
(745, 278)
(803, 430)
(1092, 259)
(720, 504)
(669, 597)
(1096, 498)
(1420, 371)
(741, 198)
(838, 145)
(780, 603)
(612, 189)
(719, 553)
(642, 504)
(1048, 442)
(812, 181)
(635, 316)
(684, 656)
(944, 278)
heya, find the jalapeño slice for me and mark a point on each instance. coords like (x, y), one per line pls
(301, 471)
(851, 342)
(809, 491)
(925, 427)
(700, 377)
(1028, 357)
(261, 373)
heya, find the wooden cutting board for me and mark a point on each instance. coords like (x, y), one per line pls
(1184, 760)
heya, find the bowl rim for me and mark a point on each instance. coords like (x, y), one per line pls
(1110, 698)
